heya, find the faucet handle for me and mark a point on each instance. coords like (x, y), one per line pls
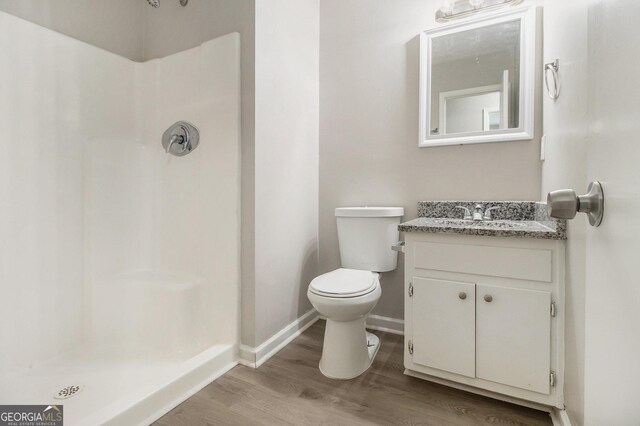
(467, 213)
(487, 213)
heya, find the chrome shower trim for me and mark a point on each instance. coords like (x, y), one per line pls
(156, 3)
(180, 139)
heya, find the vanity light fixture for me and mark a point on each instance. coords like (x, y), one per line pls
(446, 7)
(456, 9)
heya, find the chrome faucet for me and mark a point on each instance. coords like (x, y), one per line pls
(467, 213)
(487, 213)
(477, 213)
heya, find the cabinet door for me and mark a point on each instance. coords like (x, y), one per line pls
(513, 337)
(443, 320)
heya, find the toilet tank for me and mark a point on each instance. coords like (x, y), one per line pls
(365, 236)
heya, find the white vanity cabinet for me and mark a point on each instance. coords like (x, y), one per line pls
(486, 314)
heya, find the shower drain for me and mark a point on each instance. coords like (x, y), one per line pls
(67, 392)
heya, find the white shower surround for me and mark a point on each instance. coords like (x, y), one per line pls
(120, 263)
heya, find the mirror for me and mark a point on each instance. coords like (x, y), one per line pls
(476, 80)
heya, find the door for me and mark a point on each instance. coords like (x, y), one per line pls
(612, 287)
(593, 133)
(513, 337)
(443, 320)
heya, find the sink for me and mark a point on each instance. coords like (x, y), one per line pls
(505, 224)
(449, 222)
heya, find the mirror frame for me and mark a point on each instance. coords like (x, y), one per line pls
(528, 43)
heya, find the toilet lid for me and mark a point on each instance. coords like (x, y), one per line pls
(344, 283)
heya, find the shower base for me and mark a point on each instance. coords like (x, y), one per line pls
(117, 391)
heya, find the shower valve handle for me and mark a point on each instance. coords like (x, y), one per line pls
(176, 139)
(181, 133)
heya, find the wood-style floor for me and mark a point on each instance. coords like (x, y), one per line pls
(290, 390)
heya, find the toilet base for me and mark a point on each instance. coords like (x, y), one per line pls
(348, 349)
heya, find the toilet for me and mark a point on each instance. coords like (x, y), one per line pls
(347, 295)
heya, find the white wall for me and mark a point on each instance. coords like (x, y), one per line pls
(172, 28)
(109, 240)
(369, 155)
(286, 166)
(146, 33)
(57, 93)
(163, 256)
(466, 114)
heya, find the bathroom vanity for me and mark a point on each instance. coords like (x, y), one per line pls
(484, 299)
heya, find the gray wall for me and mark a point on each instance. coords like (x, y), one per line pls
(286, 166)
(135, 30)
(369, 155)
(113, 25)
(172, 28)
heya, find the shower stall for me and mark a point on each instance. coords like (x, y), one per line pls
(119, 267)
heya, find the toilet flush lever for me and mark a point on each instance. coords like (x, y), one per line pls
(399, 246)
(565, 203)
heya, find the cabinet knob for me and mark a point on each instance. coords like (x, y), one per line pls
(488, 298)
(462, 295)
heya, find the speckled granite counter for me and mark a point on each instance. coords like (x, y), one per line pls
(523, 219)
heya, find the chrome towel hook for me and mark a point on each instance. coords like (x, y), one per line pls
(553, 68)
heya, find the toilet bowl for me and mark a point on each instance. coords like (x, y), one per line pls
(345, 297)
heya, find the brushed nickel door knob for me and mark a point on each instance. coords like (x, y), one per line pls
(565, 203)
(462, 295)
(488, 298)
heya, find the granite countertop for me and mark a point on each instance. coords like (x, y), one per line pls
(523, 219)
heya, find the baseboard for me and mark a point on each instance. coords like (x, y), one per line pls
(560, 417)
(386, 324)
(255, 357)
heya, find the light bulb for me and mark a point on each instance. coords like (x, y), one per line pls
(446, 7)
(476, 3)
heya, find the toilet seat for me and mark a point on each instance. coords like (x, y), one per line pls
(344, 283)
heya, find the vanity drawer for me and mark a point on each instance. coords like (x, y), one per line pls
(495, 261)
